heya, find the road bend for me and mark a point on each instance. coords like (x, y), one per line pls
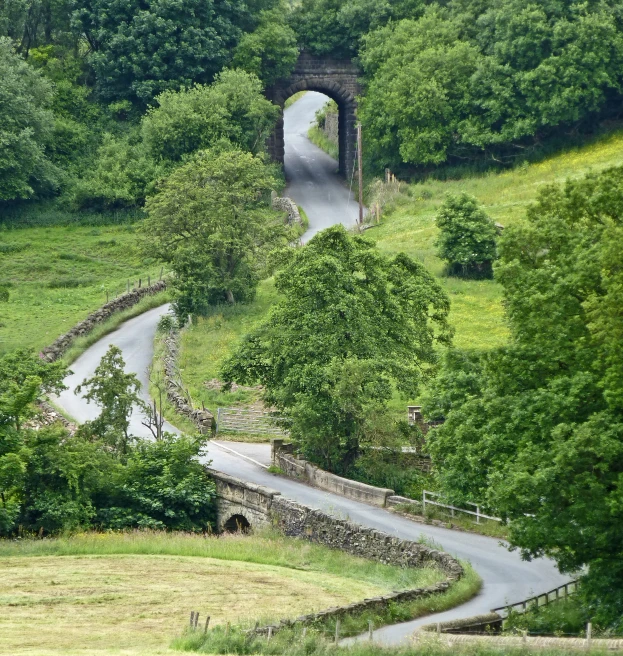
(313, 183)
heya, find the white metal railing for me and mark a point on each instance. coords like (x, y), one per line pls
(477, 513)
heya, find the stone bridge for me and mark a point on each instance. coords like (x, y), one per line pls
(338, 79)
(242, 505)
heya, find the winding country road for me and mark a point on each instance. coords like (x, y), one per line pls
(311, 173)
(505, 576)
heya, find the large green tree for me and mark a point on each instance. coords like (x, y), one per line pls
(233, 109)
(351, 325)
(270, 51)
(53, 481)
(26, 125)
(210, 220)
(467, 237)
(336, 27)
(535, 430)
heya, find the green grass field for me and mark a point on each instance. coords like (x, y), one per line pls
(128, 593)
(56, 275)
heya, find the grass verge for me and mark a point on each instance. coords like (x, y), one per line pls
(320, 139)
(293, 98)
(57, 275)
(485, 527)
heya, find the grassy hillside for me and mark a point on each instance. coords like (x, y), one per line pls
(408, 225)
(56, 275)
(114, 593)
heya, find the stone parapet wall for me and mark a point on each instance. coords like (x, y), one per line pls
(61, 345)
(282, 457)
(176, 394)
(288, 206)
(303, 470)
(476, 624)
(295, 519)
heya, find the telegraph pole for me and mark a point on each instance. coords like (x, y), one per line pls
(359, 162)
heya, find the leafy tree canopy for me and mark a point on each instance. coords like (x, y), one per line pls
(351, 325)
(51, 481)
(26, 124)
(336, 27)
(117, 393)
(270, 51)
(535, 429)
(477, 77)
(140, 49)
(232, 109)
(210, 220)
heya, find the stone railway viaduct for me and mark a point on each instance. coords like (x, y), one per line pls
(338, 79)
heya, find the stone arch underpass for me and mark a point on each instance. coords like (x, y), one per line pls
(338, 79)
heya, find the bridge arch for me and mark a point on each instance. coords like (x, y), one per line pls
(337, 79)
(237, 523)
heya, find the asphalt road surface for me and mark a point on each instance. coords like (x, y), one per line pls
(506, 577)
(313, 182)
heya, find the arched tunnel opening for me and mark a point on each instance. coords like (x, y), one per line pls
(237, 524)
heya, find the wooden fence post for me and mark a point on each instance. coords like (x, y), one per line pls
(370, 630)
(205, 630)
(589, 632)
(337, 629)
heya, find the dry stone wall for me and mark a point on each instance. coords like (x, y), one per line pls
(304, 470)
(176, 394)
(288, 206)
(123, 302)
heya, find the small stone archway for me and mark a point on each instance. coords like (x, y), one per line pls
(237, 524)
(338, 79)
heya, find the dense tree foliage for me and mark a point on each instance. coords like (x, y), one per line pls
(209, 220)
(26, 126)
(270, 51)
(487, 77)
(466, 237)
(336, 27)
(232, 109)
(140, 49)
(351, 325)
(535, 429)
(51, 481)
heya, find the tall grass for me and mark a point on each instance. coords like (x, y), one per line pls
(320, 139)
(265, 548)
(292, 642)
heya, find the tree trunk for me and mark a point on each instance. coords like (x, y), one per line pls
(230, 296)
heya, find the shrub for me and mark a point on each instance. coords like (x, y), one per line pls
(467, 237)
